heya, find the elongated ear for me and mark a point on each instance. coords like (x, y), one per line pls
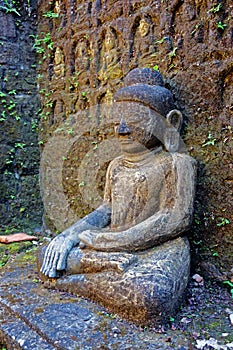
(175, 119)
(172, 136)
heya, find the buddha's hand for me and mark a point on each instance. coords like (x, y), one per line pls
(56, 255)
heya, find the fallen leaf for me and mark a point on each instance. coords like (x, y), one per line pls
(16, 237)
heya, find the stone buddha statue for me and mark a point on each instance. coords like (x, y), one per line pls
(110, 58)
(59, 64)
(131, 254)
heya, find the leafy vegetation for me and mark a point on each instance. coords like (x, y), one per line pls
(42, 43)
(50, 14)
(9, 7)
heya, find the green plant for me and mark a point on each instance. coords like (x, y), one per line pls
(40, 44)
(9, 8)
(211, 141)
(223, 222)
(221, 25)
(171, 66)
(161, 41)
(172, 53)
(8, 105)
(12, 92)
(20, 145)
(49, 103)
(11, 105)
(50, 14)
(2, 94)
(95, 143)
(70, 131)
(11, 156)
(216, 8)
(229, 284)
(156, 67)
(3, 116)
(215, 254)
(195, 29)
(34, 124)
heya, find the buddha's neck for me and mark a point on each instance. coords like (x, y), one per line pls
(141, 157)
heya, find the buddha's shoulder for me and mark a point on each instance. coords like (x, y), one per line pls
(163, 158)
(183, 158)
(115, 163)
(174, 160)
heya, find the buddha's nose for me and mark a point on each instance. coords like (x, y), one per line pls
(123, 129)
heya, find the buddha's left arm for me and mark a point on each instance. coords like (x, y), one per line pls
(169, 222)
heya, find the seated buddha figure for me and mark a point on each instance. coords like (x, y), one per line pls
(131, 254)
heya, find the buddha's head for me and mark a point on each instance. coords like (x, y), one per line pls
(147, 114)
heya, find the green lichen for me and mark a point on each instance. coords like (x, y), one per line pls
(12, 250)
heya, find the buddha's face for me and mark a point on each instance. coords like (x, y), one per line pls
(135, 131)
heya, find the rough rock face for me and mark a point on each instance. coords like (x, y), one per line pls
(20, 202)
(88, 46)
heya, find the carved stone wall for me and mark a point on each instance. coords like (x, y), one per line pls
(92, 45)
(20, 202)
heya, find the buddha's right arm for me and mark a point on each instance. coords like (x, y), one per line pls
(58, 249)
(97, 219)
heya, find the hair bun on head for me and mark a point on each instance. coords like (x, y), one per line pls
(144, 76)
(146, 86)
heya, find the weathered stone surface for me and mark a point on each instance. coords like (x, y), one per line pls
(20, 201)
(33, 317)
(143, 287)
(7, 26)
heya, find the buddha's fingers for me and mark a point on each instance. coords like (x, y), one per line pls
(64, 251)
(50, 263)
(61, 265)
(47, 258)
(53, 270)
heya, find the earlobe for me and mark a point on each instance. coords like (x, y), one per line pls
(174, 118)
(172, 136)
